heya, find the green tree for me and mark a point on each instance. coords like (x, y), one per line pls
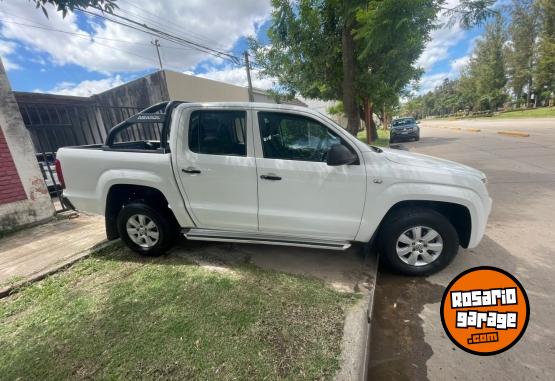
(545, 69)
(305, 54)
(352, 50)
(466, 87)
(391, 35)
(520, 58)
(488, 66)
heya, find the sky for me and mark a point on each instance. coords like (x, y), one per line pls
(83, 55)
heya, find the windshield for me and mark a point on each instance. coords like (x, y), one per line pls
(403, 122)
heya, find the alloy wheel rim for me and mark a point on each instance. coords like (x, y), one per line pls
(142, 230)
(419, 246)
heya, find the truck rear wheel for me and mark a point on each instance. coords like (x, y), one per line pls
(145, 230)
(418, 241)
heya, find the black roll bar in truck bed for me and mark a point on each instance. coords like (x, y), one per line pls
(150, 114)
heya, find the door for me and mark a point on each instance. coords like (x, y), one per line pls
(298, 193)
(217, 168)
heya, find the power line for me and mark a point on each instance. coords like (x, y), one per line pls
(164, 23)
(85, 36)
(163, 35)
(186, 42)
(92, 37)
(88, 36)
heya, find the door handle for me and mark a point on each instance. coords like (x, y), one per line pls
(191, 170)
(270, 177)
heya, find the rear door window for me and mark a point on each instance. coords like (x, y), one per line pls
(218, 132)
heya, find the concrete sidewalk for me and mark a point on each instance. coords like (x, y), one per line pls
(35, 252)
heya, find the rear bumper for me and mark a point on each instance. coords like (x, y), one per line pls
(400, 136)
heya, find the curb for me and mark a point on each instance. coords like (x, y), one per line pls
(64, 264)
(514, 133)
(355, 345)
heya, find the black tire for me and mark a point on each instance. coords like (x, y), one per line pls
(404, 219)
(417, 138)
(167, 231)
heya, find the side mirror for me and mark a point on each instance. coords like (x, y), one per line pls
(338, 154)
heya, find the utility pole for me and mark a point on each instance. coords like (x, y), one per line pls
(157, 44)
(248, 66)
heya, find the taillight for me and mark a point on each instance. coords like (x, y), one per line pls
(60, 174)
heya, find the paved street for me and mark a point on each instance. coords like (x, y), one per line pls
(408, 341)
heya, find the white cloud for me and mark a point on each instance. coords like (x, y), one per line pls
(217, 23)
(442, 39)
(237, 76)
(458, 64)
(429, 82)
(85, 88)
(8, 48)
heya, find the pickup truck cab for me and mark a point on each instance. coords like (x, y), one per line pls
(272, 174)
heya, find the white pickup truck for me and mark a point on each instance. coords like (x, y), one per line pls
(272, 174)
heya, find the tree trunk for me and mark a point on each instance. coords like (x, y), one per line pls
(349, 67)
(373, 130)
(371, 133)
(528, 93)
(366, 108)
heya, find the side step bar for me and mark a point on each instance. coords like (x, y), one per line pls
(261, 238)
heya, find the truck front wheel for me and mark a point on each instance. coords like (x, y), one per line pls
(418, 241)
(144, 229)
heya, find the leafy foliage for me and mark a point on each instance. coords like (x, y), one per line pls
(66, 6)
(305, 55)
(523, 32)
(544, 73)
(487, 68)
(471, 12)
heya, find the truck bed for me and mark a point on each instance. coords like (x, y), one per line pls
(138, 146)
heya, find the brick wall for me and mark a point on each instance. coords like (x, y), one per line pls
(11, 188)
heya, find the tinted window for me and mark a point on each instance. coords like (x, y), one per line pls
(218, 132)
(403, 122)
(294, 137)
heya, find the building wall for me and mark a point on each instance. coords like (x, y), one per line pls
(11, 189)
(141, 92)
(195, 89)
(35, 204)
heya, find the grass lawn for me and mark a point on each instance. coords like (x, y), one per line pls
(540, 112)
(543, 112)
(383, 138)
(118, 316)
